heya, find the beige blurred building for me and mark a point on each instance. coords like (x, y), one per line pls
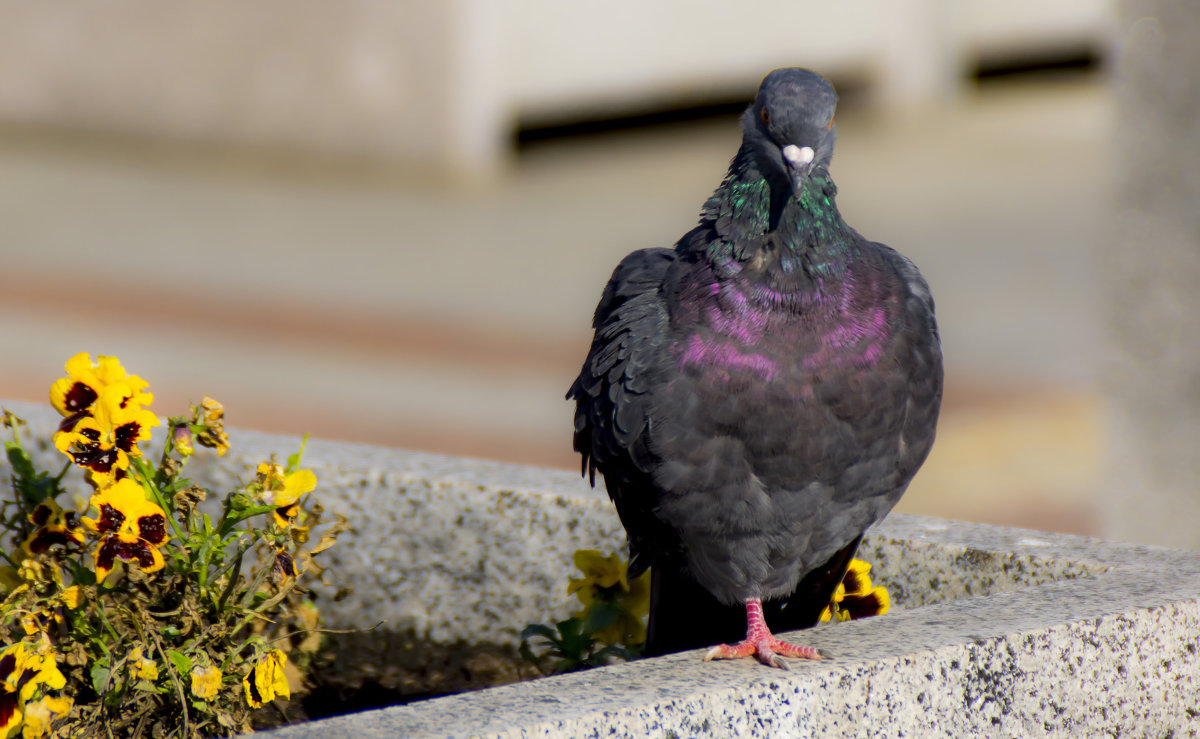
(444, 84)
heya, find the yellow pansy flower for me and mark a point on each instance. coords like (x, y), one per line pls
(598, 572)
(41, 714)
(104, 439)
(606, 578)
(206, 682)
(856, 597)
(284, 490)
(133, 528)
(141, 666)
(86, 380)
(54, 526)
(266, 680)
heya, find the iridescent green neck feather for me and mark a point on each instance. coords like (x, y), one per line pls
(752, 215)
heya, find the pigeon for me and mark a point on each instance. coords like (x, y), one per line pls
(758, 396)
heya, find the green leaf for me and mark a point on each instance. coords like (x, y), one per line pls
(238, 508)
(539, 630)
(182, 662)
(574, 646)
(293, 461)
(80, 574)
(18, 459)
(100, 677)
(32, 487)
(252, 510)
(528, 655)
(600, 616)
(564, 642)
(600, 657)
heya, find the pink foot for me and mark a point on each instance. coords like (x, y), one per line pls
(760, 642)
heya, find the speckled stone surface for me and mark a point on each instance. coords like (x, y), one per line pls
(1077, 637)
(997, 632)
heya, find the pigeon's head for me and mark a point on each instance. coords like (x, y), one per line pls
(789, 126)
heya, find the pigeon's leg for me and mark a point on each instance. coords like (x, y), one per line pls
(760, 642)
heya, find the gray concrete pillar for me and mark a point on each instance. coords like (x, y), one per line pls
(1151, 269)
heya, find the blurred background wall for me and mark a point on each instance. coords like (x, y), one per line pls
(445, 84)
(389, 222)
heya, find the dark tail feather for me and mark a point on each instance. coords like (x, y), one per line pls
(802, 609)
(683, 615)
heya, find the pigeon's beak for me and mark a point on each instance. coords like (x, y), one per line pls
(798, 160)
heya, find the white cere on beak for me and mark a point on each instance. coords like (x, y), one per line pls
(798, 155)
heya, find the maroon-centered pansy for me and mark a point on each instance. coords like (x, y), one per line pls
(54, 526)
(284, 490)
(285, 566)
(85, 380)
(856, 597)
(132, 528)
(24, 671)
(104, 438)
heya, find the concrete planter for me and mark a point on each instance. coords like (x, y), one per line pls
(995, 631)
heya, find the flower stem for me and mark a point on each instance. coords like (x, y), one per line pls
(183, 703)
(63, 472)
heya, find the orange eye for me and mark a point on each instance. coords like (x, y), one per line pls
(830, 123)
(766, 118)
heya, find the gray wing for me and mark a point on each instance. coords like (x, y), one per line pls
(612, 393)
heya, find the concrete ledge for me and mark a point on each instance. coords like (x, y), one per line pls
(1109, 650)
(996, 631)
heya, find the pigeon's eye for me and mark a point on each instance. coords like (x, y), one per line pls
(766, 117)
(830, 124)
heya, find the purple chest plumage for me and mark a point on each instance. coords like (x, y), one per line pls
(727, 329)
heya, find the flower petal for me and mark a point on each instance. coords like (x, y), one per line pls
(41, 714)
(284, 515)
(206, 682)
(47, 536)
(858, 577)
(152, 528)
(10, 713)
(142, 667)
(54, 526)
(122, 507)
(37, 668)
(296, 484)
(874, 603)
(86, 381)
(266, 680)
(127, 548)
(72, 396)
(8, 662)
(285, 565)
(604, 571)
(70, 597)
(79, 389)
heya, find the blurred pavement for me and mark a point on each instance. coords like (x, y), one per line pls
(358, 304)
